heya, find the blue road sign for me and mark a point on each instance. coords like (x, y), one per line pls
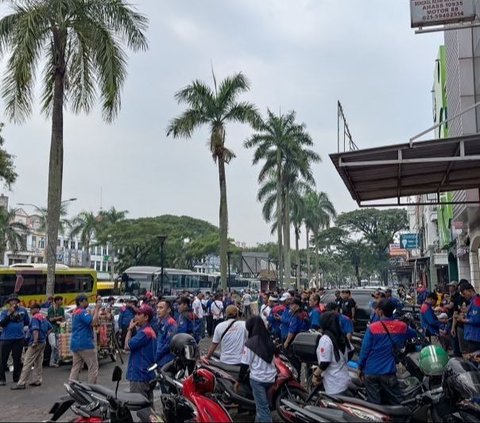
(410, 241)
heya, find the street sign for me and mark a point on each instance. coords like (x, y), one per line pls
(410, 241)
(440, 12)
(106, 258)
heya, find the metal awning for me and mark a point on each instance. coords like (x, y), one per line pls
(402, 170)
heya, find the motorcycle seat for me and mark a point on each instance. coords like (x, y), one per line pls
(131, 400)
(391, 410)
(229, 368)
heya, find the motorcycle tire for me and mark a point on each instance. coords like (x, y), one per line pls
(292, 394)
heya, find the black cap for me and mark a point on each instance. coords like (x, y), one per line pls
(13, 297)
(464, 285)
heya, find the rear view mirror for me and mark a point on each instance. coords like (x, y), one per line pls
(117, 374)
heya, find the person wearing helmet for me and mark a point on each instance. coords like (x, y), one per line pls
(471, 318)
(231, 335)
(142, 351)
(377, 363)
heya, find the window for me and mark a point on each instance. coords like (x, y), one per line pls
(73, 283)
(7, 285)
(41, 243)
(34, 284)
(34, 241)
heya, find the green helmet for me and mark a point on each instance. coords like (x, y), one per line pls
(433, 360)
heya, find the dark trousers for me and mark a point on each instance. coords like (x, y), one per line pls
(456, 346)
(122, 338)
(215, 323)
(14, 346)
(383, 389)
(209, 319)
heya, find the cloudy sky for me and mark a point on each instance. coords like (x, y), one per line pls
(300, 55)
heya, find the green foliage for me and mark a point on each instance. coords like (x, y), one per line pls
(7, 168)
(12, 234)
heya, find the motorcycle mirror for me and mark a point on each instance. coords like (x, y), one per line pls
(153, 367)
(117, 374)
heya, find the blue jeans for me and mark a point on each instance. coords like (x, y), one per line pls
(259, 390)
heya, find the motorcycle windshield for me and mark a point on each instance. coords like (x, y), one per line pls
(470, 381)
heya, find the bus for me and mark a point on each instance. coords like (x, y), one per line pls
(29, 281)
(137, 280)
(105, 288)
(242, 284)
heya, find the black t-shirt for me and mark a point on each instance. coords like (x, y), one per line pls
(347, 306)
(458, 302)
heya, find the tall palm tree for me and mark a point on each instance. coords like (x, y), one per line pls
(85, 225)
(215, 108)
(64, 224)
(284, 145)
(12, 234)
(319, 212)
(80, 42)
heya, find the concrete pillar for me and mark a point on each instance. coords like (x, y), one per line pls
(474, 270)
(464, 268)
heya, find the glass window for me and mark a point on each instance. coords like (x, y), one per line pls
(33, 284)
(59, 242)
(7, 286)
(41, 243)
(73, 283)
(34, 241)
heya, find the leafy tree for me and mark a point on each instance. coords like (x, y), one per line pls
(215, 108)
(12, 233)
(85, 225)
(79, 42)
(7, 168)
(64, 224)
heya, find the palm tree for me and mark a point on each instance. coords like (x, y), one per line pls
(215, 108)
(319, 211)
(80, 44)
(85, 225)
(12, 233)
(64, 224)
(284, 146)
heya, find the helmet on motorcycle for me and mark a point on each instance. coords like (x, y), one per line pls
(184, 347)
(461, 381)
(204, 381)
(433, 360)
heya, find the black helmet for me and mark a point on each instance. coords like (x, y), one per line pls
(184, 346)
(461, 381)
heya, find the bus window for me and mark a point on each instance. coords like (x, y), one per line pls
(7, 284)
(33, 284)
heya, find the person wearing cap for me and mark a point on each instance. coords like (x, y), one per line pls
(82, 340)
(167, 328)
(38, 331)
(286, 316)
(231, 336)
(13, 319)
(470, 318)
(444, 331)
(428, 319)
(377, 362)
(142, 348)
(127, 313)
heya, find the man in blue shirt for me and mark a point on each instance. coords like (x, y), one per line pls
(470, 320)
(298, 323)
(37, 337)
(377, 363)
(285, 317)
(142, 348)
(12, 319)
(82, 341)
(428, 319)
(185, 317)
(127, 313)
(346, 325)
(167, 328)
(314, 315)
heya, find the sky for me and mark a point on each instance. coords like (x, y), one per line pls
(301, 55)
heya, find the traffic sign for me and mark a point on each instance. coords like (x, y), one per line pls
(410, 241)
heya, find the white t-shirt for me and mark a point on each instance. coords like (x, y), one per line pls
(233, 342)
(217, 309)
(264, 313)
(335, 377)
(260, 370)
(247, 299)
(197, 308)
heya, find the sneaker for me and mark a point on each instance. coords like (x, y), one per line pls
(2, 383)
(36, 384)
(17, 387)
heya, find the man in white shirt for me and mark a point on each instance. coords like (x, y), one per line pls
(247, 301)
(232, 335)
(197, 308)
(216, 309)
(266, 309)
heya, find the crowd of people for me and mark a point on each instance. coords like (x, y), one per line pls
(245, 326)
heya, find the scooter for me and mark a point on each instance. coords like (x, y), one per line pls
(285, 386)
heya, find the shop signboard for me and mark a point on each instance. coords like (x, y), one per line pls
(410, 241)
(441, 12)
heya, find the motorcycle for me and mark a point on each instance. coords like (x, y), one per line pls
(286, 386)
(96, 403)
(195, 388)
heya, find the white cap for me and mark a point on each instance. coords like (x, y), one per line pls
(442, 316)
(273, 299)
(285, 296)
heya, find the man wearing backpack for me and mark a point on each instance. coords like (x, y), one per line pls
(378, 356)
(216, 309)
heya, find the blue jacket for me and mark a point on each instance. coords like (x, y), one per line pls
(376, 355)
(185, 323)
(274, 323)
(298, 323)
(167, 328)
(82, 331)
(472, 326)
(428, 319)
(126, 316)
(285, 323)
(346, 324)
(142, 355)
(38, 323)
(315, 315)
(13, 326)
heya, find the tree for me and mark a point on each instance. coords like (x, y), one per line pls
(64, 224)
(215, 108)
(12, 233)
(7, 169)
(80, 44)
(85, 225)
(378, 227)
(284, 145)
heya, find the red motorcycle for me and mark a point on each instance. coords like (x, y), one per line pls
(286, 387)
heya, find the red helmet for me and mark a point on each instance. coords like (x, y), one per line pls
(204, 381)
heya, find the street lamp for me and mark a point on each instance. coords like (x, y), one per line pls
(162, 239)
(229, 253)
